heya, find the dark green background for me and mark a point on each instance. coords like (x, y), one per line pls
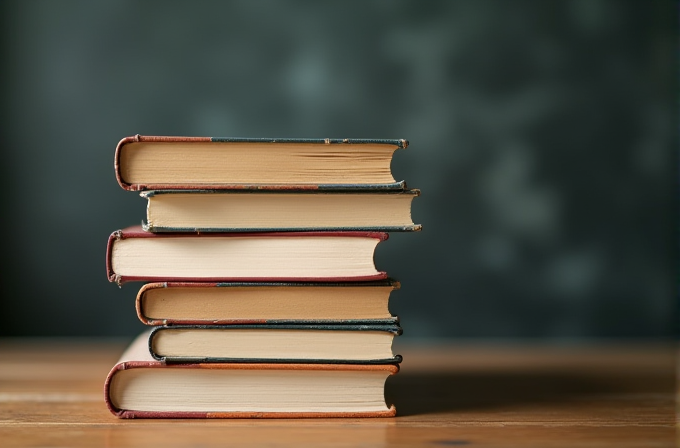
(543, 138)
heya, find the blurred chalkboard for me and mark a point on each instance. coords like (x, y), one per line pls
(543, 138)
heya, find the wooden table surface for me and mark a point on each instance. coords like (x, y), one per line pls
(447, 394)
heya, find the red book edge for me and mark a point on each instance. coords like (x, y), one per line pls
(138, 232)
(143, 138)
(122, 413)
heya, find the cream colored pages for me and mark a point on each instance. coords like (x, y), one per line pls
(138, 350)
(225, 390)
(274, 344)
(254, 163)
(267, 302)
(282, 210)
(245, 257)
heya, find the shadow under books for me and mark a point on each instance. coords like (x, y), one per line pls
(426, 393)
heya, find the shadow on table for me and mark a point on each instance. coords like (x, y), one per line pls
(424, 393)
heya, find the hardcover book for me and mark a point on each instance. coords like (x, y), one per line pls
(152, 163)
(318, 344)
(140, 387)
(136, 255)
(200, 303)
(289, 210)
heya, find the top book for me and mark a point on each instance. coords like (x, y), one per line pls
(157, 163)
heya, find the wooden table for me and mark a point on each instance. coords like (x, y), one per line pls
(447, 394)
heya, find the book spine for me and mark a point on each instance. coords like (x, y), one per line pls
(142, 138)
(110, 274)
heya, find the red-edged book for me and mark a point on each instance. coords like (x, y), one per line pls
(186, 163)
(137, 255)
(140, 387)
(239, 303)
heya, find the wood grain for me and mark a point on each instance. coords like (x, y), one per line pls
(447, 394)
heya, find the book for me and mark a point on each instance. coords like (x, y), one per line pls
(201, 303)
(140, 387)
(317, 344)
(283, 210)
(136, 255)
(163, 162)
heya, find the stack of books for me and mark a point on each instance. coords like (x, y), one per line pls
(260, 286)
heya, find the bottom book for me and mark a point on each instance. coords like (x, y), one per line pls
(140, 387)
